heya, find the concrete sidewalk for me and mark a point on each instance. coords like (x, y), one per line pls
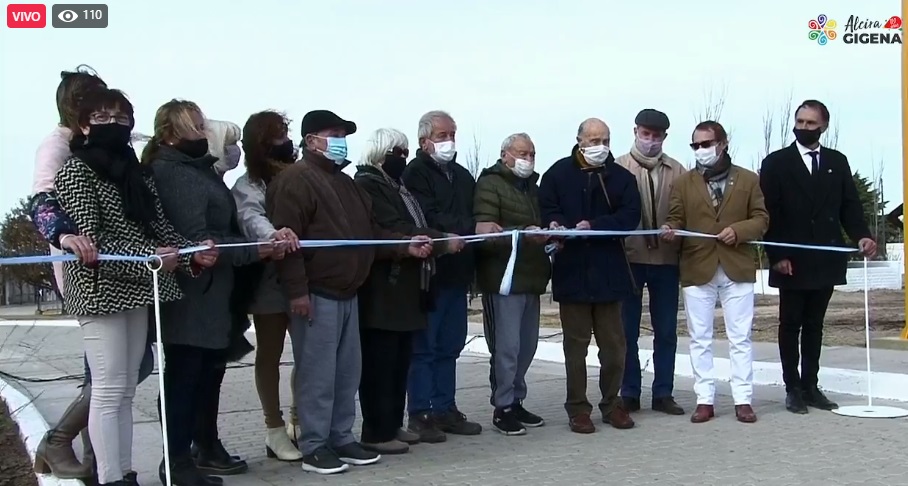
(820, 448)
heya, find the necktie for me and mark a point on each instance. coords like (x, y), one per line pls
(814, 163)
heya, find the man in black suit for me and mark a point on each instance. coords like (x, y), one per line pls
(811, 196)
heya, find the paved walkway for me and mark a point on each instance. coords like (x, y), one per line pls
(781, 449)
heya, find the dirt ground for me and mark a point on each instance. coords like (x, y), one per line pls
(844, 324)
(15, 464)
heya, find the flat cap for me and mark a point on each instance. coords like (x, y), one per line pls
(651, 118)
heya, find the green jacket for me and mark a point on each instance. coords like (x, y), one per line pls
(512, 202)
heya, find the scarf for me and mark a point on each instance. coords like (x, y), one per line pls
(428, 265)
(121, 167)
(715, 177)
(650, 195)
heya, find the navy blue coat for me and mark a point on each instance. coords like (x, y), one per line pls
(590, 269)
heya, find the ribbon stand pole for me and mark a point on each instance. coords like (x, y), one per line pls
(870, 410)
(154, 264)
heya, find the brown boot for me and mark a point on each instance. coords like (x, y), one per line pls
(619, 418)
(745, 414)
(581, 424)
(702, 414)
(55, 453)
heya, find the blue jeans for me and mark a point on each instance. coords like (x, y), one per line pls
(662, 281)
(145, 368)
(432, 378)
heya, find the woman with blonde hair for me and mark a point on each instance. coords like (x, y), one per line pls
(396, 297)
(268, 151)
(196, 330)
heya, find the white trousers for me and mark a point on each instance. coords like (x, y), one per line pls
(114, 346)
(737, 300)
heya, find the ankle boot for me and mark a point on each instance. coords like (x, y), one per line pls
(55, 453)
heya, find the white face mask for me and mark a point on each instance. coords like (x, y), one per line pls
(595, 155)
(230, 160)
(706, 157)
(523, 168)
(444, 151)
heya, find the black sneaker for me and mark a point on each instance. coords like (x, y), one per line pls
(527, 418)
(423, 425)
(505, 421)
(324, 461)
(454, 422)
(354, 454)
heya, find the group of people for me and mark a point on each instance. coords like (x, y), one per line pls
(388, 322)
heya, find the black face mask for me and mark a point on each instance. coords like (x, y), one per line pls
(193, 148)
(807, 137)
(394, 166)
(111, 136)
(282, 152)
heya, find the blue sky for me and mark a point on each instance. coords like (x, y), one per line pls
(499, 67)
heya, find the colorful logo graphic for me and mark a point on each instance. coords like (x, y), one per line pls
(894, 22)
(822, 29)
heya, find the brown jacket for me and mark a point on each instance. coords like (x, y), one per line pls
(638, 251)
(742, 209)
(319, 202)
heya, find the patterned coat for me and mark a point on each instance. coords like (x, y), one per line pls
(95, 206)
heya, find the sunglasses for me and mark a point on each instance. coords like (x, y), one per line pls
(399, 152)
(703, 144)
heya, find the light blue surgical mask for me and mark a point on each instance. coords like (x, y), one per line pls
(337, 150)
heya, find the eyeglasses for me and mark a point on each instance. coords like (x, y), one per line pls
(399, 152)
(104, 118)
(703, 144)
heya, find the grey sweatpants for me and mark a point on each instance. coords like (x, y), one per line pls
(511, 324)
(328, 363)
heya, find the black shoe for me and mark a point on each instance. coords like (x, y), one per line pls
(324, 461)
(216, 461)
(454, 422)
(504, 420)
(816, 399)
(667, 405)
(527, 418)
(194, 451)
(354, 454)
(131, 478)
(121, 482)
(794, 402)
(424, 426)
(183, 472)
(631, 404)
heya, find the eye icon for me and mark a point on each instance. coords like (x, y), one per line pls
(68, 16)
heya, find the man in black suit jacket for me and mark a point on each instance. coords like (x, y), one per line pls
(810, 195)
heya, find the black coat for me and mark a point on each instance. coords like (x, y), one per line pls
(391, 298)
(448, 206)
(810, 210)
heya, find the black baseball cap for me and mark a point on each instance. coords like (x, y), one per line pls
(318, 120)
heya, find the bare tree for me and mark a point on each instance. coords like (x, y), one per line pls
(830, 137)
(785, 118)
(713, 104)
(475, 161)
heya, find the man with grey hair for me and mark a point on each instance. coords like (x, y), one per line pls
(591, 276)
(506, 194)
(444, 190)
(654, 264)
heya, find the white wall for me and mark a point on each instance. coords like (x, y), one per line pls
(880, 276)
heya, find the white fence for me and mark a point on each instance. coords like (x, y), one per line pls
(886, 275)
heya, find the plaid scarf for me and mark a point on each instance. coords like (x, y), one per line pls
(715, 177)
(428, 265)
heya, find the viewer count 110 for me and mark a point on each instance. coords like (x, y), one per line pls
(62, 16)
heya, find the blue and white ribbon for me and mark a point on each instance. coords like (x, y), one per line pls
(506, 280)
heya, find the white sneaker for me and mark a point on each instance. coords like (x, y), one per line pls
(278, 446)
